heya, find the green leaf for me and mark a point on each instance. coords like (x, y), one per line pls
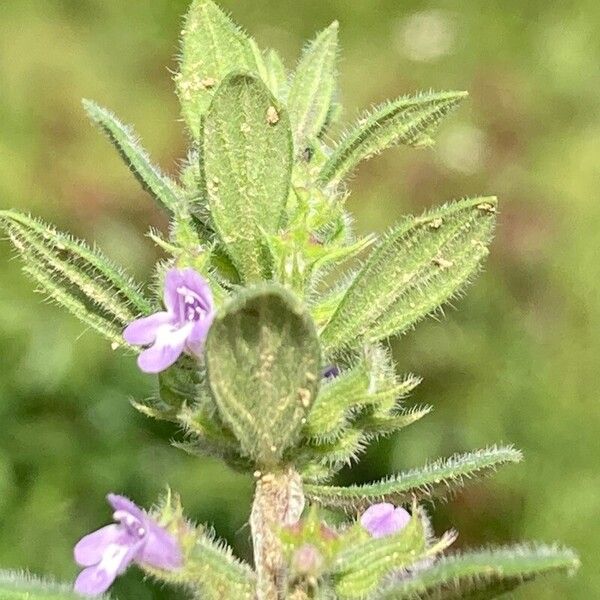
(438, 479)
(163, 189)
(22, 586)
(210, 569)
(313, 87)
(370, 383)
(378, 426)
(263, 362)
(75, 276)
(247, 167)
(212, 47)
(421, 264)
(408, 120)
(207, 436)
(213, 570)
(481, 575)
(277, 80)
(360, 567)
(332, 455)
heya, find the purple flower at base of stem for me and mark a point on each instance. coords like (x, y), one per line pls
(135, 537)
(181, 328)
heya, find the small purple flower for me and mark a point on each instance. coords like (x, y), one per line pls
(384, 519)
(181, 328)
(135, 537)
(330, 372)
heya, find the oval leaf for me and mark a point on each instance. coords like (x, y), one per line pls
(247, 170)
(263, 361)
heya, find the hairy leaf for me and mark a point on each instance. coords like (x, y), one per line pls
(438, 479)
(333, 455)
(247, 167)
(163, 189)
(421, 264)
(360, 567)
(210, 569)
(75, 276)
(212, 47)
(276, 80)
(263, 361)
(370, 383)
(207, 436)
(482, 574)
(408, 120)
(378, 426)
(313, 87)
(22, 586)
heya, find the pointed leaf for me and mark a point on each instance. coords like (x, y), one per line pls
(313, 87)
(212, 47)
(375, 426)
(277, 80)
(75, 276)
(22, 586)
(263, 362)
(360, 567)
(438, 479)
(482, 574)
(210, 568)
(207, 436)
(370, 383)
(408, 120)
(421, 264)
(333, 455)
(163, 189)
(247, 168)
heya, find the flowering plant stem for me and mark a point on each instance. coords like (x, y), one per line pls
(271, 351)
(278, 501)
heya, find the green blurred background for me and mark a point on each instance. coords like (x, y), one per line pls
(518, 362)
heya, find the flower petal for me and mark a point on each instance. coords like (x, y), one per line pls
(121, 503)
(93, 581)
(330, 372)
(195, 341)
(384, 519)
(167, 348)
(173, 280)
(161, 550)
(143, 331)
(97, 579)
(195, 282)
(88, 551)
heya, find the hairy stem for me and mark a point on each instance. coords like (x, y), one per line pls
(278, 501)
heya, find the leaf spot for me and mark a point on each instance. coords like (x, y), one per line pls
(487, 207)
(272, 116)
(442, 262)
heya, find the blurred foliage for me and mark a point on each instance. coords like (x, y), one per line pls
(517, 363)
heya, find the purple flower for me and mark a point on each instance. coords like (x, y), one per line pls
(181, 328)
(330, 372)
(135, 537)
(384, 519)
